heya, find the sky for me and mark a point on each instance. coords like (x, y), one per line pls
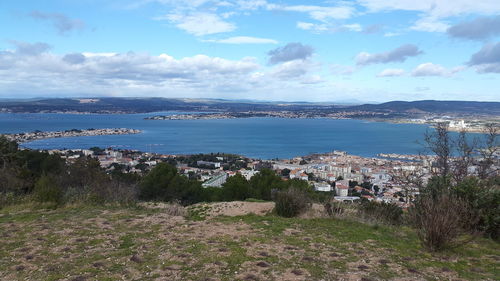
(273, 50)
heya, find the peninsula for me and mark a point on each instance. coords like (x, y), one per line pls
(39, 135)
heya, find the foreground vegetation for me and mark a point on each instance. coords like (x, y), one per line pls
(138, 243)
(72, 220)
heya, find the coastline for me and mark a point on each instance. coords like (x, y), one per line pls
(39, 135)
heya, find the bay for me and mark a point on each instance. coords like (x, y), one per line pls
(264, 138)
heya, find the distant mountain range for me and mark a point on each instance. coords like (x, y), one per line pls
(145, 105)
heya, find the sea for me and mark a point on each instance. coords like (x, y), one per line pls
(263, 138)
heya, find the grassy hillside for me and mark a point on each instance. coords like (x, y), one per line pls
(137, 243)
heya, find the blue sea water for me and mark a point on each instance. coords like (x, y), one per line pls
(264, 138)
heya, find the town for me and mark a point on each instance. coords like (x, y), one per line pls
(345, 177)
(272, 114)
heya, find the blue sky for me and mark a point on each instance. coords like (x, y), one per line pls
(295, 50)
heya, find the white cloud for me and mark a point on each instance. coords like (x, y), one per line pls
(319, 13)
(432, 12)
(200, 24)
(487, 59)
(133, 74)
(251, 4)
(430, 24)
(400, 54)
(353, 27)
(391, 72)
(430, 69)
(244, 40)
(480, 28)
(326, 27)
(435, 8)
(90, 54)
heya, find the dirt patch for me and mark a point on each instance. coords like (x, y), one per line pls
(236, 208)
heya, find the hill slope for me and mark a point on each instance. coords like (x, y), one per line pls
(143, 105)
(117, 243)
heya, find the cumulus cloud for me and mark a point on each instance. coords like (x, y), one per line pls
(391, 72)
(430, 69)
(53, 72)
(487, 59)
(399, 54)
(293, 69)
(438, 9)
(430, 24)
(478, 29)
(290, 52)
(61, 22)
(433, 12)
(244, 40)
(37, 71)
(199, 23)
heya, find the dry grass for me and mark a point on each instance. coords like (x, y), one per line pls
(116, 243)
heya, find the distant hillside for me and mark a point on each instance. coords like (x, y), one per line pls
(141, 105)
(144, 105)
(433, 106)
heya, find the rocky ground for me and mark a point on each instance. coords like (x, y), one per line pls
(222, 241)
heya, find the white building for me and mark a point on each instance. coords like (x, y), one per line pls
(322, 186)
(216, 181)
(342, 188)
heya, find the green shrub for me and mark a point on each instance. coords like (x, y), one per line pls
(164, 183)
(47, 190)
(385, 213)
(483, 198)
(334, 208)
(440, 220)
(291, 202)
(9, 198)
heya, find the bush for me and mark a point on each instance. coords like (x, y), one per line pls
(9, 198)
(440, 220)
(47, 190)
(175, 209)
(164, 183)
(291, 202)
(334, 208)
(483, 198)
(384, 213)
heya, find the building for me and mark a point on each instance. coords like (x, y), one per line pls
(248, 174)
(208, 164)
(322, 186)
(216, 181)
(346, 198)
(342, 188)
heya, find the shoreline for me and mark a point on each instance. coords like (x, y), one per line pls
(39, 135)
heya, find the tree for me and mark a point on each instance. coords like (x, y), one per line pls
(7, 151)
(236, 188)
(464, 157)
(440, 144)
(488, 151)
(163, 183)
(285, 172)
(48, 190)
(264, 182)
